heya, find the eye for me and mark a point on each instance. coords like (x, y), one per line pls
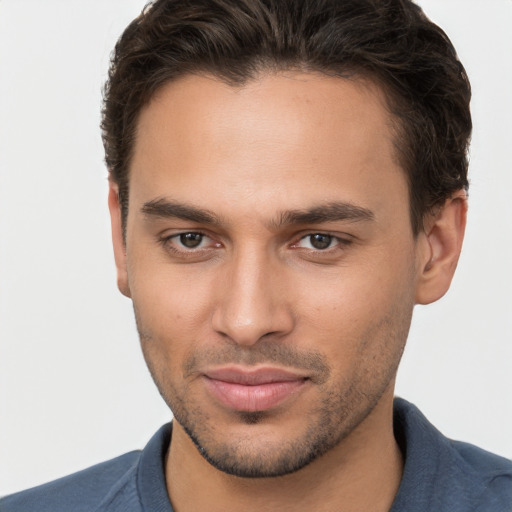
(318, 241)
(190, 240)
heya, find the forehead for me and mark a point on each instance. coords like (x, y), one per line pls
(285, 140)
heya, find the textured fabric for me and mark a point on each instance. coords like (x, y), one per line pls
(134, 482)
(440, 475)
(444, 475)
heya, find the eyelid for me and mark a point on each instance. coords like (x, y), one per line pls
(341, 238)
(166, 240)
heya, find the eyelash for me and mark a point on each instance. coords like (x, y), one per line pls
(169, 244)
(331, 238)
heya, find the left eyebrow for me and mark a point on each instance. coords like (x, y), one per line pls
(330, 212)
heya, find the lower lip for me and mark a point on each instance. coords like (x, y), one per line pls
(260, 397)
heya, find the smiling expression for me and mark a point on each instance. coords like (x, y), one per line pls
(271, 263)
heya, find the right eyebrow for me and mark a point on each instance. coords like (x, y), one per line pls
(166, 209)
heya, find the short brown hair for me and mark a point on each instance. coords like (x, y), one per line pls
(390, 42)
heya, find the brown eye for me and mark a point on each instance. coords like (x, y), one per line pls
(191, 240)
(320, 241)
(189, 244)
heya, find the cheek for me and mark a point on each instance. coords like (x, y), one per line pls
(172, 311)
(170, 297)
(355, 307)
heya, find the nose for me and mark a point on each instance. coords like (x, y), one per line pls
(251, 301)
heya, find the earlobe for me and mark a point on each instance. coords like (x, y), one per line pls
(443, 236)
(118, 241)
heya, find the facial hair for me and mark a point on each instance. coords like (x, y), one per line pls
(338, 411)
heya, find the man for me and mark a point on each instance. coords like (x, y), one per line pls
(287, 179)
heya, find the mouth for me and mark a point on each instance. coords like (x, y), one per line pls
(252, 390)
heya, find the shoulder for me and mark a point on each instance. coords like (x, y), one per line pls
(82, 491)
(490, 474)
(442, 474)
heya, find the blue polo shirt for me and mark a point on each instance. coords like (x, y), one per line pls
(440, 475)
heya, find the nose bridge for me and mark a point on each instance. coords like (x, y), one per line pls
(251, 304)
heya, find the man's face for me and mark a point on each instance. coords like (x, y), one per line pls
(271, 263)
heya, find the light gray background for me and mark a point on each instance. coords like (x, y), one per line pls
(74, 389)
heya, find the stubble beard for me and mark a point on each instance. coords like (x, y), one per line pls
(247, 460)
(339, 411)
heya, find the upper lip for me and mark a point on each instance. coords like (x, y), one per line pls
(251, 376)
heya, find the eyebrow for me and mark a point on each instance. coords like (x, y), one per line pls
(330, 212)
(166, 209)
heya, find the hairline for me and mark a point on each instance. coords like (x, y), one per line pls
(390, 100)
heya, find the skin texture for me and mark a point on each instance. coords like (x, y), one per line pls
(269, 231)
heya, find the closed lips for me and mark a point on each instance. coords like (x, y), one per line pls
(258, 390)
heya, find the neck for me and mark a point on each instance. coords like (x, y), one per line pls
(362, 472)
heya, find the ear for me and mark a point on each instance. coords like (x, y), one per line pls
(441, 245)
(118, 239)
